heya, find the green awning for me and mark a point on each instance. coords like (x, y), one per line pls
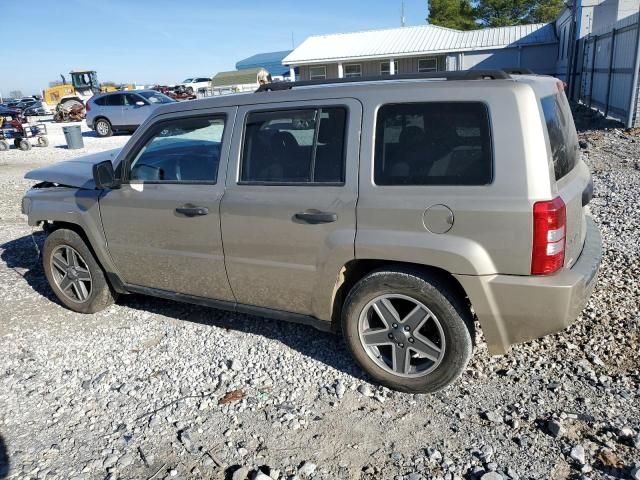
(236, 77)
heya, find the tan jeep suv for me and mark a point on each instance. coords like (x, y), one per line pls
(394, 209)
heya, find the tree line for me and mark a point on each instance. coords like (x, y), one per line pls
(468, 15)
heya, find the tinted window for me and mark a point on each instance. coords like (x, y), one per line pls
(294, 146)
(186, 150)
(436, 143)
(156, 97)
(100, 101)
(114, 100)
(562, 137)
(131, 99)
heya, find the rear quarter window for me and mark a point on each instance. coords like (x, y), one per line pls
(433, 143)
(561, 132)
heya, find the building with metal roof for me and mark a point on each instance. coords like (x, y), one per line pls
(271, 61)
(425, 48)
(237, 81)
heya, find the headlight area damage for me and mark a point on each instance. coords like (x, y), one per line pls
(76, 173)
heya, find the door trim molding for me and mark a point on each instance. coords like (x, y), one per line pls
(292, 317)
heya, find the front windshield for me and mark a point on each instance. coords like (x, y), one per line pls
(156, 97)
(188, 80)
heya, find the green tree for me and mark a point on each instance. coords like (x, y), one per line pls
(458, 14)
(544, 11)
(501, 13)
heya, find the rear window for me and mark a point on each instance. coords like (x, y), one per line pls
(434, 143)
(562, 137)
(114, 100)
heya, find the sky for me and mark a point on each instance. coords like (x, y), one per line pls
(164, 42)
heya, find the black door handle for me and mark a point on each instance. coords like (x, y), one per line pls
(192, 211)
(315, 217)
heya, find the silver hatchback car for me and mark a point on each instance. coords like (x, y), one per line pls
(108, 112)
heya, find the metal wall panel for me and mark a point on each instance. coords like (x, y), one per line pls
(606, 61)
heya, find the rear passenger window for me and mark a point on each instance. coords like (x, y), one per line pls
(186, 150)
(100, 101)
(562, 137)
(435, 143)
(114, 100)
(294, 146)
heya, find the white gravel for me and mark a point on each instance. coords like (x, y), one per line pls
(150, 387)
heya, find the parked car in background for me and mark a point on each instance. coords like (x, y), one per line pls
(196, 84)
(109, 112)
(469, 190)
(36, 109)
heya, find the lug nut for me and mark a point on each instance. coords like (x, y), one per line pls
(407, 328)
(395, 325)
(391, 335)
(411, 340)
(401, 345)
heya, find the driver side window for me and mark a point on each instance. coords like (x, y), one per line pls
(180, 151)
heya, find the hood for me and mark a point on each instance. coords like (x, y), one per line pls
(73, 173)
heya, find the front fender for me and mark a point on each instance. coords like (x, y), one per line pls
(75, 206)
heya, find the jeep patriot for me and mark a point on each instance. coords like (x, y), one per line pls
(396, 210)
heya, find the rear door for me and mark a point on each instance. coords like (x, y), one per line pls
(162, 225)
(288, 214)
(112, 108)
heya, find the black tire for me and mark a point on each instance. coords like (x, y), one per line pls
(103, 128)
(4, 146)
(100, 295)
(440, 298)
(24, 145)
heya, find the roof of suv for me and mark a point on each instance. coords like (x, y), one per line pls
(354, 87)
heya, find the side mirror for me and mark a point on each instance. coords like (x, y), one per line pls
(104, 177)
(140, 103)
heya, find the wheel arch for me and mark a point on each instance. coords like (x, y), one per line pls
(355, 270)
(112, 277)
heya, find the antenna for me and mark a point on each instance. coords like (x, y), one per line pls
(402, 14)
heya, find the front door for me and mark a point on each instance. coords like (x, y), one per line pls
(162, 225)
(132, 113)
(288, 215)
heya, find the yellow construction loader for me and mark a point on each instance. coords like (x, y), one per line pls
(69, 99)
(84, 84)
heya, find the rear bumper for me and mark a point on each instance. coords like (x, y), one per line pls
(514, 309)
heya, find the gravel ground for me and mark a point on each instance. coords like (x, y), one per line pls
(155, 389)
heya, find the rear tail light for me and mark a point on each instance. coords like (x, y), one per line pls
(88, 106)
(549, 234)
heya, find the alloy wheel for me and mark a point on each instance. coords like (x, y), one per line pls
(401, 335)
(71, 273)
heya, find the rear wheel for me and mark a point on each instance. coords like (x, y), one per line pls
(43, 141)
(408, 330)
(24, 145)
(4, 146)
(103, 127)
(74, 274)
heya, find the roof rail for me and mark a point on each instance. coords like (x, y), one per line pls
(518, 71)
(456, 75)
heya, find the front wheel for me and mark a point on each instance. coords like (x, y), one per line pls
(408, 330)
(4, 146)
(74, 274)
(24, 145)
(43, 141)
(103, 128)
